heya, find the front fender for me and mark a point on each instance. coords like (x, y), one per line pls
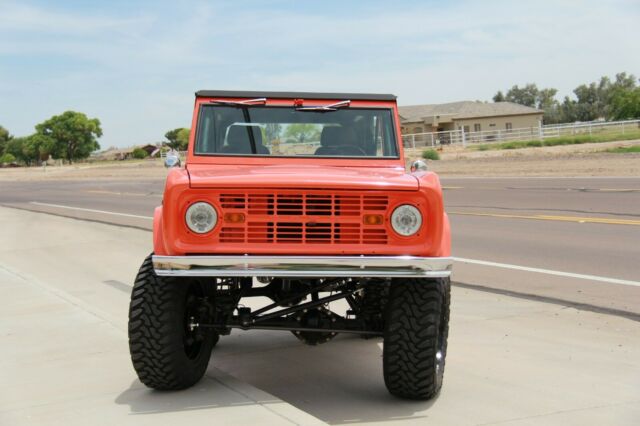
(158, 235)
(445, 244)
(439, 241)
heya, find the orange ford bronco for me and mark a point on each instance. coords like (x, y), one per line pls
(301, 198)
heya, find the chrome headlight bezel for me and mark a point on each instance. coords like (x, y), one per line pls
(205, 222)
(406, 220)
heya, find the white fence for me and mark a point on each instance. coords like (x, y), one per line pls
(460, 137)
(182, 154)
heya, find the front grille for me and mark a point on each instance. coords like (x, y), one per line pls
(286, 217)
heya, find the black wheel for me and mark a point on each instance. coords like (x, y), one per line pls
(415, 337)
(168, 353)
(373, 302)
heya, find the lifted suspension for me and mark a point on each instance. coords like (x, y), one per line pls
(302, 319)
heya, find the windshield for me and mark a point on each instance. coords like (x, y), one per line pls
(289, 132)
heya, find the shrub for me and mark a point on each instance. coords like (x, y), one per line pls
(430, 154)
(7, 158)
(139, 153)
(511, 145)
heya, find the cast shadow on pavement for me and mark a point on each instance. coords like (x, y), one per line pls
(209, 393)
(338, 382)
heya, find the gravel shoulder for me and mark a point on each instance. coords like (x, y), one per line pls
(568, 160)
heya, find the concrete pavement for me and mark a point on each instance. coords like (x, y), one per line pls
(63, 325)
(63, 310)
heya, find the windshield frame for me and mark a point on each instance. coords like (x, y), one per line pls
(248, 107)
(217, 158)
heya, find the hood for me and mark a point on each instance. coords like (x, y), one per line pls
(300, 176)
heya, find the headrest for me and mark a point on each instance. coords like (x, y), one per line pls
(332, 136)
(238, 137)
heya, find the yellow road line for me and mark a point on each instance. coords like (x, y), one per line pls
(452, 187)
(618, 190)
(556, 218)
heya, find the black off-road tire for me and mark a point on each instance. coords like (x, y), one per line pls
(415, 337)
(375, 296)
(159, 334)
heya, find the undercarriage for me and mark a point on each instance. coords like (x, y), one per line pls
(301, 306)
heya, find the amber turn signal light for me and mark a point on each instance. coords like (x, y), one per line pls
(234, 217)
(372, 219)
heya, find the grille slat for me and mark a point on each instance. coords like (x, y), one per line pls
(308, 218)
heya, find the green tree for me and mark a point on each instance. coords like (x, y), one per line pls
(15, 147)
(527, 95)
(38, 147)
(546, 101)
(606, 98)
(74, 135)
(7, 158)
(546, 98)
(302, 132)
(595, 99)
(567, 111)
(530, 95)
(178, 138)
(31, 149)
(589, 104)
(625, 104)
(5, 136)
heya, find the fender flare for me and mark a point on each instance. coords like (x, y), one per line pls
(159, 247)
(445, 242)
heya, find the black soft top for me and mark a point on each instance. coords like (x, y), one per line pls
(294, 95)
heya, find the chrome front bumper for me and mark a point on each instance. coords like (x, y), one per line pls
(303, 266)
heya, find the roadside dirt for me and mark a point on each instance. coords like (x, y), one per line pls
(124, 170)
(569, 160)
(564, 165)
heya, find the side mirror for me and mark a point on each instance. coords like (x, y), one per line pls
(418, 165)
(172, 160)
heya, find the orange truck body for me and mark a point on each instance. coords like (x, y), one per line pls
(300, 206)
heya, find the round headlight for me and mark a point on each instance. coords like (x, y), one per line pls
(201, 217)
(406, 220)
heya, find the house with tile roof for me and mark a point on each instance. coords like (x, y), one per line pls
(470, 116)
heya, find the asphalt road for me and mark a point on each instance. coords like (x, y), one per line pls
(570, 241)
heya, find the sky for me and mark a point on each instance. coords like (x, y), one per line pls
(136, 65)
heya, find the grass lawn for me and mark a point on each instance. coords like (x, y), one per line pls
(625, 149)
(564, 140)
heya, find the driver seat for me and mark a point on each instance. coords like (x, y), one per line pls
(336, 140)
(238, 141)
